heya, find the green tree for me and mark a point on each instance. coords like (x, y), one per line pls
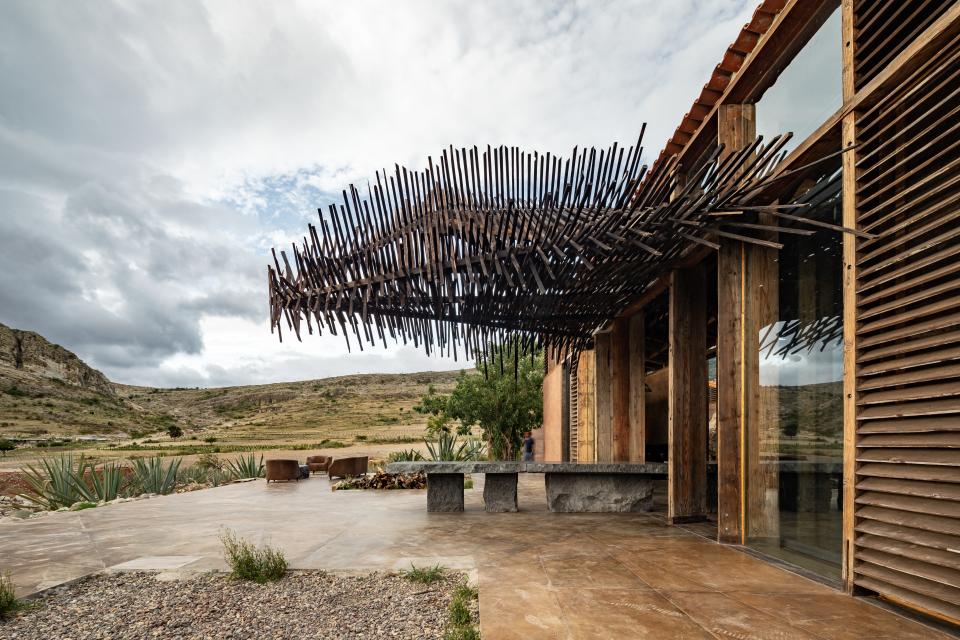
(174, 431)
(6, 445)
(434, 406)
(503, 404)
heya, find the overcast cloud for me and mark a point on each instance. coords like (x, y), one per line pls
(152, 152)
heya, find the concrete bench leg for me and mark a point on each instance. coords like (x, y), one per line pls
(500, 492)
(444, 492)
(598, 492)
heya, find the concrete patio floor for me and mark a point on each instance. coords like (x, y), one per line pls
(541, 575)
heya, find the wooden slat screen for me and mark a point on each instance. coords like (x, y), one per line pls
(574, 408)
(886, 27)
(907, 530)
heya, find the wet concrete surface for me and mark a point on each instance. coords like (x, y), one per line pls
(541, 574)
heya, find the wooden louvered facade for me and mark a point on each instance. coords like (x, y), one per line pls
(895, 146)
(906, 190)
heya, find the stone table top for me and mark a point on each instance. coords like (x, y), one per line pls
(507, 466)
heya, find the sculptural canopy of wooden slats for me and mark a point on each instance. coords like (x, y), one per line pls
(507, 245)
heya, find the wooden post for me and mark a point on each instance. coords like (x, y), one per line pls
(849, 211)
(638, 389)
(736, 126)
(565, 412)
(687, 397)
(586, 411)
(620, 389)
(604, 405)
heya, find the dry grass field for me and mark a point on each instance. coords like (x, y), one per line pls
(370, 414)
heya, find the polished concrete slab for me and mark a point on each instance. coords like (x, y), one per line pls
(541, 574)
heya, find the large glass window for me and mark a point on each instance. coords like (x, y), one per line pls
(808, 91)
(795, 411)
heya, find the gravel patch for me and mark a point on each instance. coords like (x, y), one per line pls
(304, 604)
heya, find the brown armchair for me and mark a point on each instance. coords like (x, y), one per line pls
(283, 470)
(345, 467)
(319, 464)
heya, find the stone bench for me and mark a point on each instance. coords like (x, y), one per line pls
(571, 487)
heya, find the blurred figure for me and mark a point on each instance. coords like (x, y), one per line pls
(528, 446)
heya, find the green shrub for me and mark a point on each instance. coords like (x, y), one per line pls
(210, 439)
(8, 596)
(7, 445)
(204, 475)
(209, 461)
(427, 575)
(174, 431)
(250, 562)
(246, 467)
(468, 483)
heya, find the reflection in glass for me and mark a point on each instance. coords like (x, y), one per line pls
(795, 423)
(808, 91)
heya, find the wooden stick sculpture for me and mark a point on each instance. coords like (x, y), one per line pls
(503, 245)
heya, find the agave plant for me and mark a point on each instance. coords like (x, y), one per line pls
(104, 482)
(406, 455)
(204, 475)
(447, 449)
(246, 467)
(56, 482)
(153, 476)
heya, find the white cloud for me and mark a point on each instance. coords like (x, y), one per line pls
(152, 152)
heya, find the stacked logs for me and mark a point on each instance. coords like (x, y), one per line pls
(504, 245)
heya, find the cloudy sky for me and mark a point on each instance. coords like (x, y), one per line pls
(152, 152)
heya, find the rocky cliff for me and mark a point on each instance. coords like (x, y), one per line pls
(30, 352)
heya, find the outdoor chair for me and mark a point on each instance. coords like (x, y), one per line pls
(346, 467)
(283, 470)
(319, 464)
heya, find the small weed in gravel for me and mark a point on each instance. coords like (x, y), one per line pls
(459, 613)
(462, 633)
(427, 575)
(461, 620)
(8, 597)
(250, 562)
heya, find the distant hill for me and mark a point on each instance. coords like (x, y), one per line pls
(47, 392)
(32, 354)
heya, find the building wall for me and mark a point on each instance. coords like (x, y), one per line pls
(552, 432)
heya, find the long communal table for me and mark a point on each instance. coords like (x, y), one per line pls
(571, 487)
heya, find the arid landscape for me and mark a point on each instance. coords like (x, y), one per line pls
(51, 401)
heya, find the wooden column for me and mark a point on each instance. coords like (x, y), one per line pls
(849, 212)
(687, 397)
(604, 404)
(736, 126)
(638, 389)
(620, 389)
(586, 409)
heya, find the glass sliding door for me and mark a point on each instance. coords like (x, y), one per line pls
(794, 439)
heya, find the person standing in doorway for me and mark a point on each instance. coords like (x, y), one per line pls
(528, 446)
